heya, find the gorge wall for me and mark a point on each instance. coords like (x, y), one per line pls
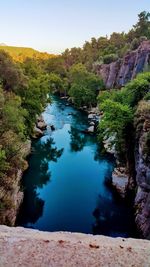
(142, 162)
(11, 193)
(118, 73)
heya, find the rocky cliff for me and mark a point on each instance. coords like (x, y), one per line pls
(32, 248)
(11, 194)
(117, 74)
(142, 161)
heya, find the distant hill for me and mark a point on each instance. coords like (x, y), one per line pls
(21, 53)
(2, 44)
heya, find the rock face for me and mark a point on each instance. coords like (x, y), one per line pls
(120, 181)
(32, 248)
(142, 159)
(117, 74)
(109, 144)
(11, 195)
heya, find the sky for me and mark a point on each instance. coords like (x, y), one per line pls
(53, 26)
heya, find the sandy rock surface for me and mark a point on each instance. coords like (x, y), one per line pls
(32, 248)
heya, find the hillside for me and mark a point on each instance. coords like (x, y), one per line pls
(21, 53)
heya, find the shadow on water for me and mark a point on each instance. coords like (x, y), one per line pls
(42, 153)
(109, 212)
(107, 220)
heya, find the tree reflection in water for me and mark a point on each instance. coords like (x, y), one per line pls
(78, 140)
(39, 175)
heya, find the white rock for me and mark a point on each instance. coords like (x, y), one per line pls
(91, 129)
(91, 116)
(92, 123)
(120, 181)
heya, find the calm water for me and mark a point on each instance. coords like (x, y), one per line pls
(65, 187)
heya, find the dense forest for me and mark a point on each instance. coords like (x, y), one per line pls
(26, 80)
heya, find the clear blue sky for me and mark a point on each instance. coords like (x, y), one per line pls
(55, 25)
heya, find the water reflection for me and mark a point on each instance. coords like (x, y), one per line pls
(78, 140)
(43, 152)
(106, 219)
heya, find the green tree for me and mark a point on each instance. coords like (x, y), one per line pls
(135, 90)
(11, 76)
(116, 121)
(142, 28)
(84, 85)
(56, 83)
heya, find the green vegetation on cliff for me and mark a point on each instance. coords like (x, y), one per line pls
(23, 96)
(119, 108)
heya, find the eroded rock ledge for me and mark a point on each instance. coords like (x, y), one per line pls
(26, 247)
(117, 74)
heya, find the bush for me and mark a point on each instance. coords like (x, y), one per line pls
(107, 59)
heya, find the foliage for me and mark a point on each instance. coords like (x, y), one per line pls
(110, 58)
(135, 90)
(135, 43)
(115, 122)
(55, 65)
(142, 28)
(31, 67)
(84, 86)
(56, 82)
(119, 107)
(23, 95)
(11, 75)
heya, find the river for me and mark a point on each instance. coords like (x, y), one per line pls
(65, 186)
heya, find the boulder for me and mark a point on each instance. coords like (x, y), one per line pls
(37, 133)
(91, 129)
(91, 116)
(120, 181)
(41, 123)
(109, 144)
(92, 123)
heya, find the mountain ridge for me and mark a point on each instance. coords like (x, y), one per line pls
(19, 53)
